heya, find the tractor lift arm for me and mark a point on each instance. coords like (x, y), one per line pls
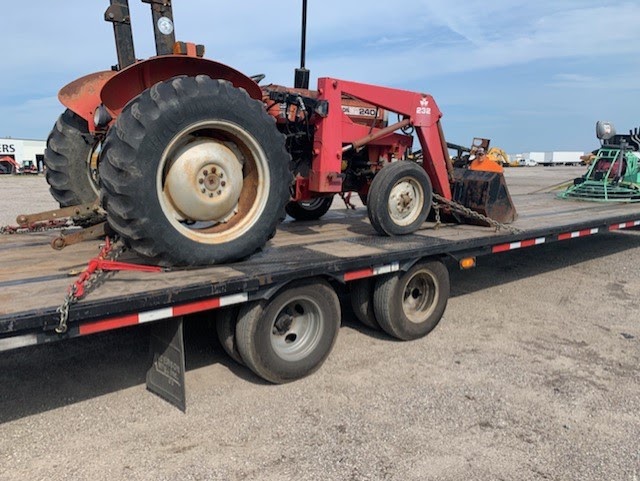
(419, 110)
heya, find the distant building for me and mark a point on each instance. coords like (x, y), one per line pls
(27, 154)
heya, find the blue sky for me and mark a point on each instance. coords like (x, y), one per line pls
(529, 75)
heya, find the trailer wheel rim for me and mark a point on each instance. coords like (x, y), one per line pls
(297, 329)
(227, 163)
(420, 296)
(405, 201)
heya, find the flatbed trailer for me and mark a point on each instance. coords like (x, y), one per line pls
(342, 248)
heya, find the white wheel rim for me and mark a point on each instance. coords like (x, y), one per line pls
(420, 295)
(405, 201)
(297, 329)
(227, 163)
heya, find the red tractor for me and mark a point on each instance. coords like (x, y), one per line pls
(195, 163)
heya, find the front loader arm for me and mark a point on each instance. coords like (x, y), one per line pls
(421, 110)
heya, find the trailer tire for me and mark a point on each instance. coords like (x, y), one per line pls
(409, 305)
(194, 172)
(67, 161)
(309, 210)
(399, 198)
(226, 320)
(292, 334)
(362, 302)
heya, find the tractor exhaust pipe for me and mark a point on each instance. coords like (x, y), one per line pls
(118, 14)
(301, 80)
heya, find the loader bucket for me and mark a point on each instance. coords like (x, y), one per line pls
(485, 193)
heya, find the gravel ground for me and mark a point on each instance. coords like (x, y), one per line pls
(532, 374)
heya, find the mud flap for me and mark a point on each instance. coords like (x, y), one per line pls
(485, 193)
(165, 377)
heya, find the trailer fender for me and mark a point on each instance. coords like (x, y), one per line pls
(266, 293)
(408, 264)
(135, 79)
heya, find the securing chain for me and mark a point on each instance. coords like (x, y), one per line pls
(436, 209)
(465, 211)
(84, 220)
(36, 227)
(63, 310)
(88, 280)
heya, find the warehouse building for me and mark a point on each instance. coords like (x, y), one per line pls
(21, 155)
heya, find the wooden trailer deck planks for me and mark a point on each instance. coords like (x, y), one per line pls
(35, 277)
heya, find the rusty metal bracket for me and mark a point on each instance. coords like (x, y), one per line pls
(25, 220)
(118, 14)
(93, 232)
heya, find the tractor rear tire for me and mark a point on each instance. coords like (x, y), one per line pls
(67, 159)
(194, 172)
(409, 305)
(309, 209)
(292, 334)
(399, 198)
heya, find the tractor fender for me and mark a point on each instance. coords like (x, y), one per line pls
(135, 79)
(82, 96)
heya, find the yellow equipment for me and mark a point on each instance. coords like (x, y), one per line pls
(498, 155)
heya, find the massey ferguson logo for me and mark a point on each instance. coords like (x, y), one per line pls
(424, 108)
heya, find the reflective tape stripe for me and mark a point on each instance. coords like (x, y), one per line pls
(159, 314)
(625, 225)
(155, 315)
(517, 245)
(579, 233)
(199, 306)
(393, 267)
(234, 299)
(359, 274)
(18, 341)
(108, 324)
(371, 271)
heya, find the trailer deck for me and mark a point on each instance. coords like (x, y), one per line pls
(342, 245)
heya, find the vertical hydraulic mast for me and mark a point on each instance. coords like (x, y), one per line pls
(118, 14)
(163, 28)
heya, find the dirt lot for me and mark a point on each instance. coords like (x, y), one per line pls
(532, 374)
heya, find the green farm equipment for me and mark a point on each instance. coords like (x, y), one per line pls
(614, 175)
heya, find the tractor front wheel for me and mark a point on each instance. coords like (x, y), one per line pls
(71, 161)
(399, 198)
(194, 172)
